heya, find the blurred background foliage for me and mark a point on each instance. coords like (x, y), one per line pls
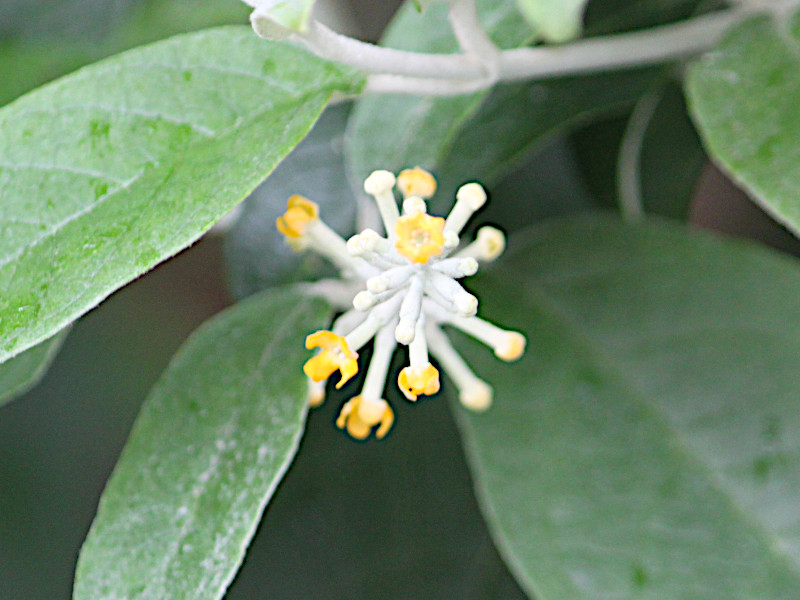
(395, 519)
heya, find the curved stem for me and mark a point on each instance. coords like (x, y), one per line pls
(449, 74)
(471, 36)
(629, 180)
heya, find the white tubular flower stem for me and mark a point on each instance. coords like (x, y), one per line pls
(469, 198)
(380, 185)
(464, 303)
(489, 244)
(457, 267)
(376, 319)
(418, 348)
(338, 293)
(507, 345)
(390, 279)
(414, 206)
(316, 392)
(474, 393)
(365, 300)
(410, 311)
(348, 321)
(378, 369)
(330, 244)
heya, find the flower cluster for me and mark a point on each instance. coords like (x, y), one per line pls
(410, 276)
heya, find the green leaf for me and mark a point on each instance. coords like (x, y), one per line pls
(257, 256)
(54, 42)
(24, 371)
(210, 445)
(121, 165)
(397, 131)
(743, 96)
(557, 20)
(646, 445)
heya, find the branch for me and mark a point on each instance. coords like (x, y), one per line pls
(449, 74)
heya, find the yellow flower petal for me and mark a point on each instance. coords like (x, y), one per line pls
(416, 381)
(335, 355)
(360, 417)
(300, 212)
(416, 182)
(419, 237)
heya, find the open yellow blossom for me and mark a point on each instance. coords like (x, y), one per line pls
(335, 355)
(360, 416)
(419, 236)
(300, 212)
(416, 381)
(416, 182)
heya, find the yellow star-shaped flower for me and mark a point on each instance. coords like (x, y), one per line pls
(419, 236)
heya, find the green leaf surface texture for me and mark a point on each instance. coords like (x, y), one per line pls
(25, 370)
(743, 96)
(109, 171)
(647, 445)
(47, 41)
(397, 131)
(210, 445)
(558, 20)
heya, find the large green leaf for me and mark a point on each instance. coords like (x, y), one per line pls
(121, 165)
(396, 131)
(55, 42)
(647, 444)
(558, 20)
(743, 96)
(24, 371)
(212, 441)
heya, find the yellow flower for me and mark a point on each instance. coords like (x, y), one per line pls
(414, 381)
(335, 355)
(300, 212)
(419, 236)
(360, 415)
(416, 182)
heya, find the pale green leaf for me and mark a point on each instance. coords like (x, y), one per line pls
(109, 171)
(210, 445)
(646, 446)
(743, 96)
(54, 42)
(557, 20)
(24, 371)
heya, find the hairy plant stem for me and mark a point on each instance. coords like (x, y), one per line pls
(481, 64)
